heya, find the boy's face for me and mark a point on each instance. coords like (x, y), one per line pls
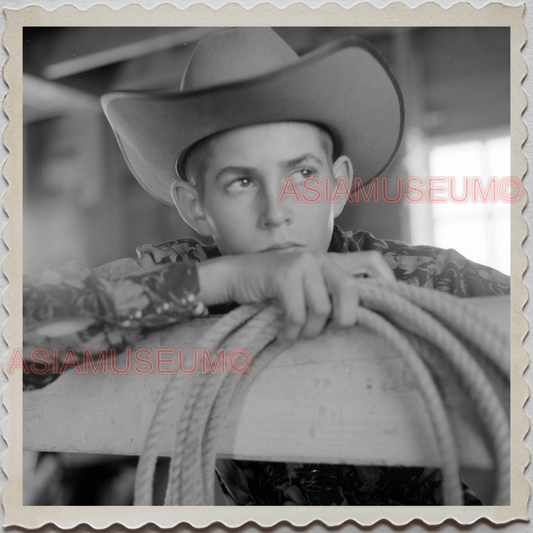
(243, 181)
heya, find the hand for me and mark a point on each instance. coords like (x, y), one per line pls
(369, 264)
(310, 287)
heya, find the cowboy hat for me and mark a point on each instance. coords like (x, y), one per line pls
(246, 76)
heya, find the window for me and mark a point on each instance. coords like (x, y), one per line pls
(479, 227)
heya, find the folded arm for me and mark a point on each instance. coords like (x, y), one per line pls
(72, 307)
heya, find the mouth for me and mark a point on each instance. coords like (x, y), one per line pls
(285, 247)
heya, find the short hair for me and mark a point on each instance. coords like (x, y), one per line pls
(193, 162)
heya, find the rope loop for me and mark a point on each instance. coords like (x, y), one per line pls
(429, 330)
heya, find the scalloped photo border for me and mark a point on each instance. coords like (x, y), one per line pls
(397, 14)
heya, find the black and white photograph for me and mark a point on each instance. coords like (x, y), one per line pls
(267, 265)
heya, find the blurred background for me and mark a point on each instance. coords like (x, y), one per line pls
(82, 203)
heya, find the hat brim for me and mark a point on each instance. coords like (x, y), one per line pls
(345, 87)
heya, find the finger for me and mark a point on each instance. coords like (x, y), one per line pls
(318, 302)
(343, 289)
(293, 302)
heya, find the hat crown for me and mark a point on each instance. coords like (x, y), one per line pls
(235, 55)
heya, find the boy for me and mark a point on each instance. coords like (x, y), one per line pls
(250, 118)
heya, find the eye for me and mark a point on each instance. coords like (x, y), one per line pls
(302, 173)
(240, 184)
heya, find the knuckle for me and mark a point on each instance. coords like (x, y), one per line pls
(295, 261)
(322, 310)
(350, 286)
(305, 258)
(295, 319)
(301, 264)
(292, 271)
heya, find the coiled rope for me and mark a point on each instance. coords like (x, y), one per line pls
(430, 330)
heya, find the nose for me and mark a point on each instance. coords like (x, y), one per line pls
(275, 210)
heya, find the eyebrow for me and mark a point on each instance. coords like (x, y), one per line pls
(251, 170)
(235, 170)
(298, 160)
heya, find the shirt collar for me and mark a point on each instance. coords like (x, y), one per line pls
(339, 241)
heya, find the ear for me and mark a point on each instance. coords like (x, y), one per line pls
(343, 182)
(187, 201)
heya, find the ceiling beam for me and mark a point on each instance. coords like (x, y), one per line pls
(116, 54)
(44, 99)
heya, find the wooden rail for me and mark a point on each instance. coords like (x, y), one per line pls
(342, 398)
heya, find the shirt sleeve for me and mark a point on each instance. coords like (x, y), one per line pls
(74, 308)
(434, 268)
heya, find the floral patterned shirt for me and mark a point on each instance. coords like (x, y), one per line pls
(74, 308)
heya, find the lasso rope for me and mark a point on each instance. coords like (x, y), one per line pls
(428, 329)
